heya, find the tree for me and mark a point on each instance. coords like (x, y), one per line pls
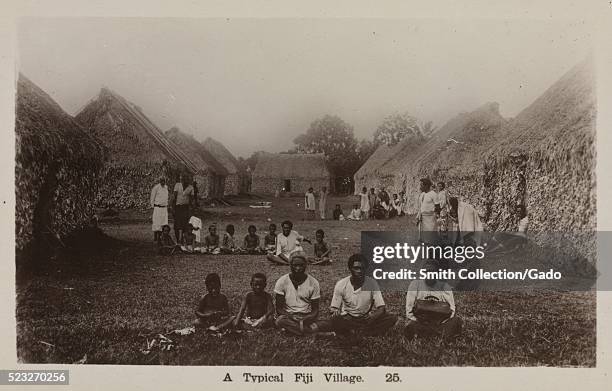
(333, 137)
(396, 127)
(365, 149)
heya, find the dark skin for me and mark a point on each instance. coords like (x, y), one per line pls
(258, 285)
(298, 276)
(287, 230)
(319, 238)
(358, 270)
(214, 290)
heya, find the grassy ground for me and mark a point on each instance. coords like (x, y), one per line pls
(105, 303)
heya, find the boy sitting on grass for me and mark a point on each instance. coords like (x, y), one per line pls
(270, 240)
(337, 212)
(251, 241)
(167, 245)
(321, 250)
(211, 241)
(188, 239)
(256, 310)
(228, 246)
(213, 307)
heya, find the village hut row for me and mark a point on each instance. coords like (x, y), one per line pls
(109, 155)
(544, 158)
(290, 173)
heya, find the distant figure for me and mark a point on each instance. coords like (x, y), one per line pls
(523, 224)
(196, 202)
(469, 226)
(310, 204)
(394, 206)
(355, 214)
(430, 308)
(426, 216)
(159, 203)
(364, 203)
(323, 202)
(403, 202)
(337, 212)
(183, 192)
(373, 201)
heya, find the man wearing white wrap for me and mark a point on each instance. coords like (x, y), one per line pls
(159, 203)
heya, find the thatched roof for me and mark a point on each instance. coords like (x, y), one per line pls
(46, 133)
(199, 155)
(132, 138)
(291, 165)
(559, 121)
(222, 155)
(387, 160)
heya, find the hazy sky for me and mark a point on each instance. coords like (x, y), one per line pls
(255, 84)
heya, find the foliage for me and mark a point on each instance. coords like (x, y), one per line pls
(397, 127)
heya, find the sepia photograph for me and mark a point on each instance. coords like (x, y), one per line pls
(199, 191)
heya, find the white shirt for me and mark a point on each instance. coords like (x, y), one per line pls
(365, 202)
(441, 199)
(286, 244)
(358, 302)
(182, 195)
(159, 195)
(427, 202)
(310, 201)
(418, 290)
(298, 301)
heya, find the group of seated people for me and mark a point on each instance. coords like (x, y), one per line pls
(357, 305)
(278, 247)
(374, 205)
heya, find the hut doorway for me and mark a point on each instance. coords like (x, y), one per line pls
(287, 185)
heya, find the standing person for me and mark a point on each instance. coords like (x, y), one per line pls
(286, 243)
(159, 203)
(310, 204)
(469, 226)
(357, 304)
(373, 200)
(426, 216)
(297, 298)
(183, 192)
(323, 202)
(403, 202)
(365, 203)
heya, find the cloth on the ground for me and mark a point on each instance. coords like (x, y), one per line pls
(419, 290)
(356, 302)
(298, 301)
(286, 245)
(197, 228)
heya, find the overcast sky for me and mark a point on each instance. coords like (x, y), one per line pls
(255, 84)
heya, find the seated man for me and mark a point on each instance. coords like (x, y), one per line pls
(422, 321)
(357, 304)
(287, 242)
(355, 213)
(297, 298)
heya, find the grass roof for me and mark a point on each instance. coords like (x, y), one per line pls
(291, 165)
(222, 155)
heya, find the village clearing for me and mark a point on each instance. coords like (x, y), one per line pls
(103, 304)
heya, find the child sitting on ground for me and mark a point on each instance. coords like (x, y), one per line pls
(167, 245)
(228, 246)
(270, 240)
(337, 212)
(188, 239)
(321, 250)
(256, 310)
(355, 213)
(251, 241)
(211, 241)
(213, 307)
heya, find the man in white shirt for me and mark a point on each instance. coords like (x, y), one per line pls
(287, 242)
(426, 216)
(357, 304)
(159, 203)
(436, 290)
(183, 193)
(310, 205)
(297, 296)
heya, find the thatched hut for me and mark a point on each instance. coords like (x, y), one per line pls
(292, 172)
(57, 166)
(228, 161)
(211, 182)
(139, 151)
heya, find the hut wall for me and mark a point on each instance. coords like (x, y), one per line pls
(232, 185)
(298, 185)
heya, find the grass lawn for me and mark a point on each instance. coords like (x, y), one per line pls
(106, 302)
